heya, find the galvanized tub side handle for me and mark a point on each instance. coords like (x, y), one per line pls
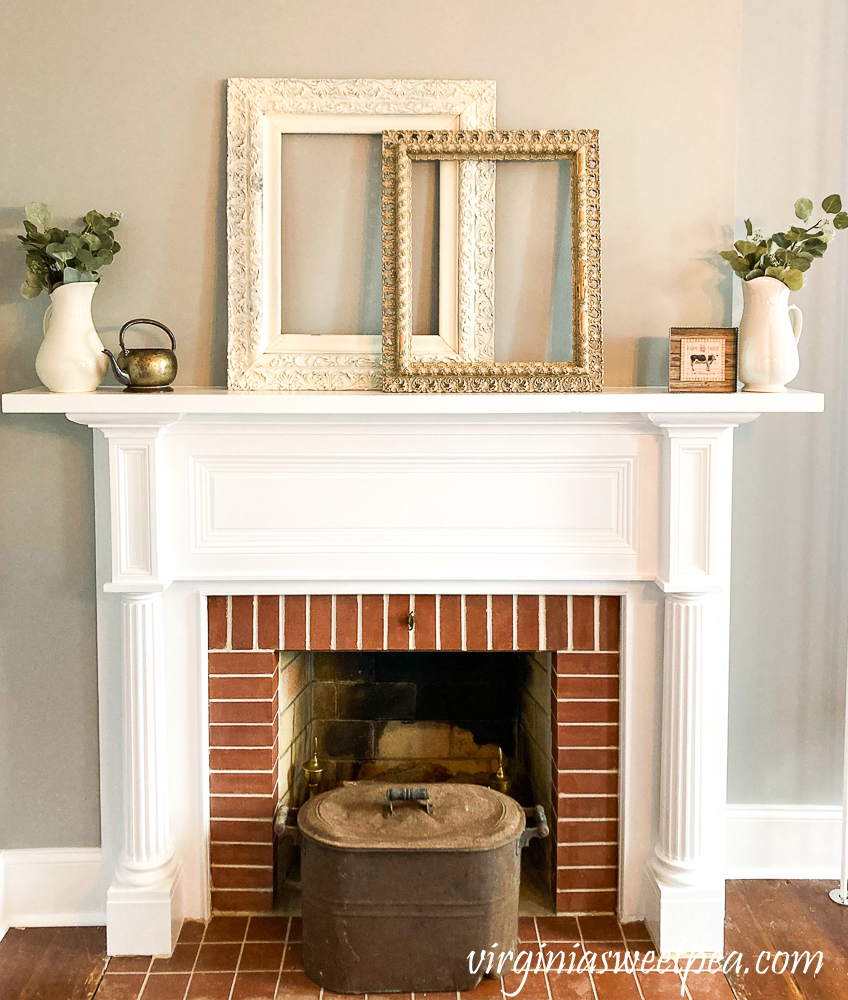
(540, 828)
(421, 795)
(285, 824)
(148, 322)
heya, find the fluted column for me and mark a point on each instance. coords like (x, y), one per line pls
(684, 821)
(685, 877)
(143, 902)
(147, 856)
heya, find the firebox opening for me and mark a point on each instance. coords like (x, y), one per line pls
(416, 717)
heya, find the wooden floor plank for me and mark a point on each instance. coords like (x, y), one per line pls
(52, 963)
(744, 934)
(799, 917)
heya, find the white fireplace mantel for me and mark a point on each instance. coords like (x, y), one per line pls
(205, 491)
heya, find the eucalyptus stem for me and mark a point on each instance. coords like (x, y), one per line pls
(787, 256)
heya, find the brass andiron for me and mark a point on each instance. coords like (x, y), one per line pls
(499, 781)
(313, 772)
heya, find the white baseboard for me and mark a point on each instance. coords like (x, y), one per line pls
(52, 887)
(783, 841)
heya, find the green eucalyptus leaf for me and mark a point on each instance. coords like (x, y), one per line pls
(793, 278)
(71, 274)
(60, 252)
(92, 241)
(30, 291)
(803, 209)
(749, 229)
(115, 247)
(775, 272)
(86, 258)
(745, 247)
(781, 240)
(840, 220)
(99, 223)
(801, 263)
(39, 214)
(88, 276)
(832, 203)
(102, 259)
(755, 273)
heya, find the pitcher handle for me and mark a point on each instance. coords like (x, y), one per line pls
(48, 312)
(796, 327)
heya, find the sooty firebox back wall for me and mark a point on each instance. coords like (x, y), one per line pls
(416, 716)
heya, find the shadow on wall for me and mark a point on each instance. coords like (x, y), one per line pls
(651, 361)
(48, 665)
(218, 345)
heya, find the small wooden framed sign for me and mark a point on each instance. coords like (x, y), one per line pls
(702, 359)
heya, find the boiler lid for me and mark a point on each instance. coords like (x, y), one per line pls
(358, 815)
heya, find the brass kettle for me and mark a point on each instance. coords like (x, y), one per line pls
(145, 369)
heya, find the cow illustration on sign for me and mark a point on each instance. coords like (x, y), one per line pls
(702, 360)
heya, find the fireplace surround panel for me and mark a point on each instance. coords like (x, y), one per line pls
(622, 494)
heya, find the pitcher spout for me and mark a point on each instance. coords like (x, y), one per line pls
(118, 372)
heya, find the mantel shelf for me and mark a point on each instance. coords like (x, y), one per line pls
(224, 402)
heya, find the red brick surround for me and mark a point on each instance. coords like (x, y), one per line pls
(246, 634)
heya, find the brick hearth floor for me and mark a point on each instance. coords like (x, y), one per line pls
(67, 963)
(259, 958)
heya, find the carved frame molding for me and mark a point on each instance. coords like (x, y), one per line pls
(402, 371)
(251, 105)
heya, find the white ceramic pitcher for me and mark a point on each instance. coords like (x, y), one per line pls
(71, 357)
(768, 337)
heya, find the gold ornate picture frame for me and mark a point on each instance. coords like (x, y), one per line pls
(402, 371)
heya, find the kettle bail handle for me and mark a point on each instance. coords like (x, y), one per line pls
(149, 322)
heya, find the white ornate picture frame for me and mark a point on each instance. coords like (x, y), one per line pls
(259, 111)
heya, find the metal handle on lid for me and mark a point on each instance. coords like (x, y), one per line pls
(421, 795)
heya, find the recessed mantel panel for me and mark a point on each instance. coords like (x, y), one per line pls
(433, 500)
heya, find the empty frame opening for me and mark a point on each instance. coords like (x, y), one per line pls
(330, 250)
(533, 262)
(330, 236)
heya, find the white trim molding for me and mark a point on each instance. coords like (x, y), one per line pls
(52, 887)
(783, 841)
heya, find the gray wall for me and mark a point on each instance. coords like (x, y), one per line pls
(790, 601)
(121, 107)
